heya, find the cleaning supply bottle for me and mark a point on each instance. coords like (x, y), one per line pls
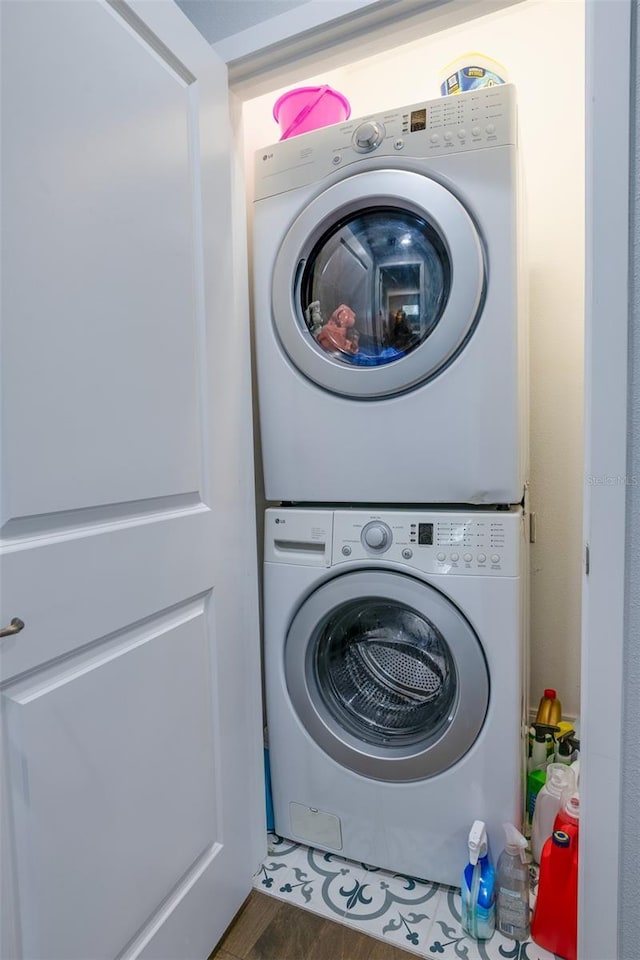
(554, 924)
(567, 747)
(541, 751)
(512, 886)
(560, 781)
(478, 886)
(535, 782)
(568, 816)
(575, 766)
(550, 708)
(542, 748)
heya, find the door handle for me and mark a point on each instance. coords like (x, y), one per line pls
(15, 626)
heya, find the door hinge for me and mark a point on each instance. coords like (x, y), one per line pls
(587, 559)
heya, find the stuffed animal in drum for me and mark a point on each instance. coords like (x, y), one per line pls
(339, 331)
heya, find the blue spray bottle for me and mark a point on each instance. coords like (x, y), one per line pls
(478, 886)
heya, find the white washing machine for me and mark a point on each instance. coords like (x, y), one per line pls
(395, 655)
(389, 324)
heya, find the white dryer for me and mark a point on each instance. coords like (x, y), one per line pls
(395, 655)
(416, 392)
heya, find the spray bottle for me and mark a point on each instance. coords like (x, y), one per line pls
(512, 883)
(567, 747)
(541, 753)
(478, 886)
(542, 747)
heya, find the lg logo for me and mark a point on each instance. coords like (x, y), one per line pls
(267, 156)
(278, 520)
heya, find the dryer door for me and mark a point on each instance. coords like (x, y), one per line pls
(378, 284)
(386, 675)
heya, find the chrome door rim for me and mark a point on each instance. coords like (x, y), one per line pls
(405, 191)
(395, 763)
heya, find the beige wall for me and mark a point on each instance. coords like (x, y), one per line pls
(541, 43)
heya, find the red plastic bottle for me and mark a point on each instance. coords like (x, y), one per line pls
(554, 925)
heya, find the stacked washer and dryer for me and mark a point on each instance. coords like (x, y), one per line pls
(392, 373)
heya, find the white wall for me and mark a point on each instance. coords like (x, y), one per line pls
(541, 42)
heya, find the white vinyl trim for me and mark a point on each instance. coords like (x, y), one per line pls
(607, 264)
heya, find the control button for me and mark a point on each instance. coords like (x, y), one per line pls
(398, 144)
(468, 558)
(462, 134)
(454, 557)
(337, 159)
(377, 536)
(346, 551)
(495, 558)
(476, 131)
(441, 557)
(482, 558)
(448, 136)
(407, 553)
(368, 136)
(490, 128)
(435, 138)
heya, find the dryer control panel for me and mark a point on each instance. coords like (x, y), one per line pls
(437, 542)
(434, 128)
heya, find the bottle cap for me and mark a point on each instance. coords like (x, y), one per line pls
(478, 844)
(544, 729)
(550, 694)
(516, 844)
(566, 742)
(572, 806)
(560, 779)
(560, 838)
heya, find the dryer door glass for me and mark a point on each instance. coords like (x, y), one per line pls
(375, 286)
(386, 675)
(378, 284)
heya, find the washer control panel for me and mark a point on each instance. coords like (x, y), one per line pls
(483, 542)
(367, 136)
(376, 536)
(434, 128)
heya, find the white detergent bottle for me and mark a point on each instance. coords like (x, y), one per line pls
(560, 779)
(575, 766)
(512, 886)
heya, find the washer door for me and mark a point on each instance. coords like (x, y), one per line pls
(378, 284)
(386, 675)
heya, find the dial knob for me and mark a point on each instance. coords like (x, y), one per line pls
(376, 536)
(368, 136)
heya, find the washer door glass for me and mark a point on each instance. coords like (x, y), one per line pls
(385, 672)
(386, 675)
(378, 284)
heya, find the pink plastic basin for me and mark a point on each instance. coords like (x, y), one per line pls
(308, 108)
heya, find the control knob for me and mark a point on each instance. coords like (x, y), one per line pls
(368, 136)
(377, 536)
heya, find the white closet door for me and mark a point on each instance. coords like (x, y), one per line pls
(131, 697)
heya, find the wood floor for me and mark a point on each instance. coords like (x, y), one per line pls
(268, 929)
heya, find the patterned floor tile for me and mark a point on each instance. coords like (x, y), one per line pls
(415, 915)
(395, 908)
(312, 879)
(448, 939)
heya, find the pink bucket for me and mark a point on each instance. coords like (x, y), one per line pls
(307, 108)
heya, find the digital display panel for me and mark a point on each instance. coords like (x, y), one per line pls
(418, 120)
(425, 534)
